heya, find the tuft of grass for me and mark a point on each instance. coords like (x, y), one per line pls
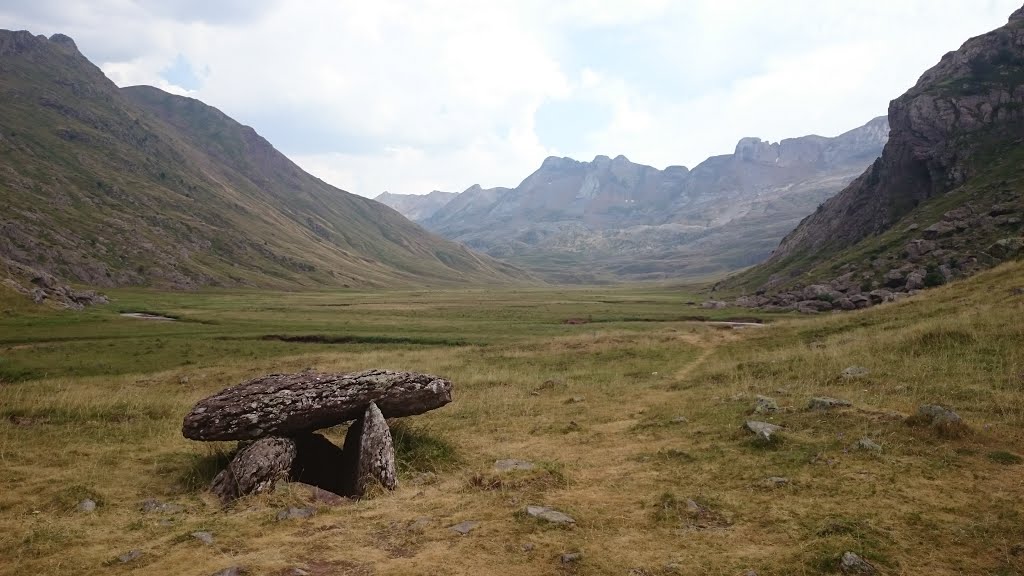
(1004, 457)
(421, 450)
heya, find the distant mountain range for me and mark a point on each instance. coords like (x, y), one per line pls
(610, 218)
(945, 199)
(113, 187)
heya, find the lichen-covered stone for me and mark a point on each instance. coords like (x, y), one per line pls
(289, 404)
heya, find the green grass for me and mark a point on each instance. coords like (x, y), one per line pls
(97, 409)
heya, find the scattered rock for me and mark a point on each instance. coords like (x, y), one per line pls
(511, 464)
(204, 537)
(765, 405)
(855, 372)
(465, 527)
(255, 468)
(570, 557)
(851, 563)
(775, 482)
(762, 430)
(826, 403)
(293, 513)
(87, 505)
(286, 404)
(940, 418)
(869, 445)
(550, 515)
(418, 525)
(154, 506)
(130, 556)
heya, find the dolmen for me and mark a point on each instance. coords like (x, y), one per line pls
(275, 418)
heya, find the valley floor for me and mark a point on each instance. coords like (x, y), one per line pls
(630, 410)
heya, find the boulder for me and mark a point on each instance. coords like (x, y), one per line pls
(550, 515)
(860, 301)
(369, 439)
(851, 563)
(288, 404)
(465, 527)
(255, 468)
(817, 291)
(813, 306)
(846, 304)
(714, 305)
(941, 419)
(512, 464)
(879, 296)
(895, 278)
(762, 430)
(826, 403)
(938, 230)
(765, 405)
(915, 281)
(915, 249)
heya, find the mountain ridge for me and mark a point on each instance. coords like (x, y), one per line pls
(610, 218)
(107, 186)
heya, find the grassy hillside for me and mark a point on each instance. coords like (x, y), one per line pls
(113, 187)
(93, 403)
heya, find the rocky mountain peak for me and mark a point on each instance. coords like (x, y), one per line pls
(557, 163)
(64, 42)
(1017, 15)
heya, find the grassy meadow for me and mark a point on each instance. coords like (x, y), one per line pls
(630, 410)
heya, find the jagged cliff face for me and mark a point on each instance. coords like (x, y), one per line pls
(945, 199)
(937, 129)
(612, 218)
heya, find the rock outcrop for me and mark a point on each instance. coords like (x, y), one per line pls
(943, 201)
(280, 413)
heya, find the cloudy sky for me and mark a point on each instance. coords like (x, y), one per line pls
(415, 95)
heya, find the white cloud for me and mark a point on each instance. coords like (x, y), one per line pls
(409, 96)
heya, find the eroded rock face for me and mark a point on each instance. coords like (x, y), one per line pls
(256, 468)
(289, 404)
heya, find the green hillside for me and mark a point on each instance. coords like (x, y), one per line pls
(111, 187)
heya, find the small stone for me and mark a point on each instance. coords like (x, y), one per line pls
(87, 505)
(550, 515)
(292, 513)
(762, 430)
(680, 420)
(826, 403)
(204, 537)
(775, 481)
(231, 571)
(576, 400)
(465, 527)
(512, 464)
(418, 525)
(528, 547)
(855, 372)
(851, 563)
(571, 557)
(765, 405)
(154, 506)
(869, 445)
(130, 556)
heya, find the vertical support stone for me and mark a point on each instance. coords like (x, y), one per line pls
(370, 453)
(255, 468)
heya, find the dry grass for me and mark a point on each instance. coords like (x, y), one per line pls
(621, 462)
